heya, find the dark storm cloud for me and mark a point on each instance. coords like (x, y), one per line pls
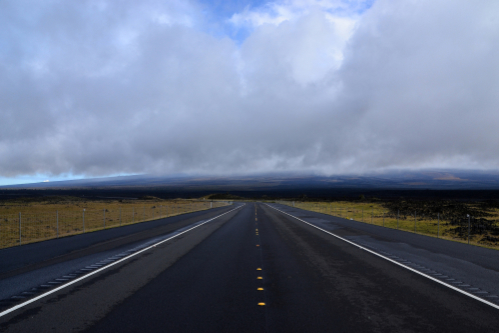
(98, 88)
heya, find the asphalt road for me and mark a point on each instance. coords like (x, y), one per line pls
(477, 268)
(255, 269)
(28, 266)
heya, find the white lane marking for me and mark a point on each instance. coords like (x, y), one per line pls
(395, 262)
(106, 267)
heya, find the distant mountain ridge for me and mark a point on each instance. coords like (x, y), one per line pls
(425, 179)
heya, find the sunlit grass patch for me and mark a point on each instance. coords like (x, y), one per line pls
(30, 220)
(435, 225)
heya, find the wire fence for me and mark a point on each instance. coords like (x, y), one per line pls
(471, 229)
(23, 228)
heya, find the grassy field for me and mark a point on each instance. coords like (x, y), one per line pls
(436, 225)
(28, 220)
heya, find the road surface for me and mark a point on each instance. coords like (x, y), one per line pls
(255, 268)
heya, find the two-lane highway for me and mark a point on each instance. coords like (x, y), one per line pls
(254, 269)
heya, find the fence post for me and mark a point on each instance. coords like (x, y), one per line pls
(143, 213)
(415, 212)
(469, 223)
(104, 218)
(383, 217)
(57, 221)
(120, 216)
(398, 212)
(133, 214)
(438, 225)
(372, 213)
(20, 237)
(83, 220)
(362, 214)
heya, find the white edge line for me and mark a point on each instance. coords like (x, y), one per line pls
(395, 262)
(105, 267)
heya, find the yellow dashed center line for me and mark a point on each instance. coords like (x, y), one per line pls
(258, 269)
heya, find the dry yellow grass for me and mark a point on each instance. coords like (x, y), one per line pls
(375, 213)
(25, 221)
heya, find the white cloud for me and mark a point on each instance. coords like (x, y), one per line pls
(101, 87)
(277, 12)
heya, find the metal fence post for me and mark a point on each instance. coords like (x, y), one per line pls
(362, 214)
(372, 213)
(469, 223)
(120, 216)
(84, 220)
(57, 222)
(438, 225)
(383, 217)
(104, 218)
(398, 212)
(133, 214)
(415, 221)
(20, 237)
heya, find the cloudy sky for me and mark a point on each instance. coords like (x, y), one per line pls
(96, 88)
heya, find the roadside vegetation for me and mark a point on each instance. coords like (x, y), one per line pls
(28, 220)
(438, 218)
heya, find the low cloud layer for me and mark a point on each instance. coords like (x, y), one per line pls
(103, 87)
